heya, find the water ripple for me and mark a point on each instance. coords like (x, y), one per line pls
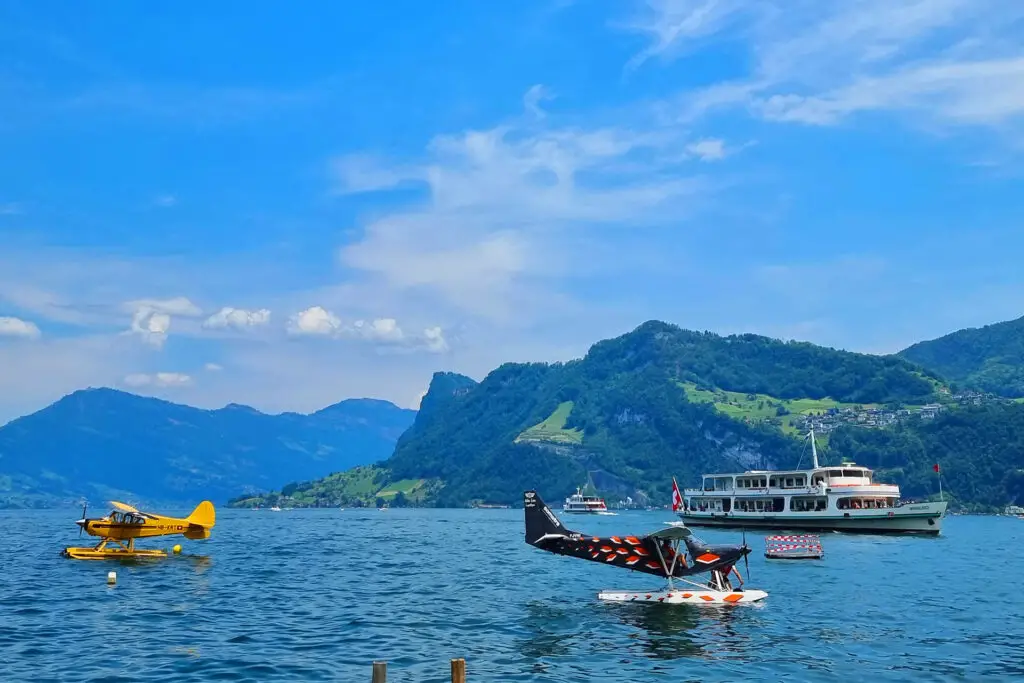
(319, 595)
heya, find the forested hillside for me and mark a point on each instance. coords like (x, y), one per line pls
(979, 450)
(629, 416)
(989, 358)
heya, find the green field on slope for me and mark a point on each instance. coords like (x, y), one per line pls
(553, 429)
(760, 407)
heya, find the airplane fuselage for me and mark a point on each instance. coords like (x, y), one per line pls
(162, 526)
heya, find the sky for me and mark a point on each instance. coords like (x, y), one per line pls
(241, 202)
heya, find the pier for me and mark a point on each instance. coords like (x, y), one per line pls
(380, 671)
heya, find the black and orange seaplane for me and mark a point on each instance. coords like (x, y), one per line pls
(657, 553)
(124, 524)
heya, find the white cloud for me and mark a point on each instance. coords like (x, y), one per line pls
(381, 329)
(508, 207)
(16, 327)
(315, 320)
(151, 319)
(213, 367)
(159, 379)
(709, 149)
(237, 318)
(435, 340)
(948, 61)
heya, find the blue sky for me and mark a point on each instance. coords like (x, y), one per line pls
(247, 203)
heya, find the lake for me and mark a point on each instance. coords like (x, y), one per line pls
(319, 594)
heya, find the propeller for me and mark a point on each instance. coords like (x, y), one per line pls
(746, 555)
(81, 524)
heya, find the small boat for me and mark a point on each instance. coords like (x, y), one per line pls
(658, 553)
(274, 508)
(800, 547)
(579, 504)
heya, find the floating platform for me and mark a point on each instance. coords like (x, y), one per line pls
(801, 547)
(684, 596)
(112, 554)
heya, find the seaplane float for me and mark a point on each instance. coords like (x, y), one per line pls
(657, 553)
(124, 524)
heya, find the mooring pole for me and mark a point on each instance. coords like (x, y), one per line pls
(458, 671)
(380, 672)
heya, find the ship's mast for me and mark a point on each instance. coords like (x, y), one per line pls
(814, 451)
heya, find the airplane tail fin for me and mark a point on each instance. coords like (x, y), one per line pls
(540, 521)
(204, 515)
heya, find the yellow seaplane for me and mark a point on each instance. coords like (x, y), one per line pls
(124, 524)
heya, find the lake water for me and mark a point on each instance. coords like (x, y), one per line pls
(319, 594)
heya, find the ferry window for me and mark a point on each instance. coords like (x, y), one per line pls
(800, 481)
(789, 482)
(780, 505)
(835, 473)
(852, 473)
(773, 482)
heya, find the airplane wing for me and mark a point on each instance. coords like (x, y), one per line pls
(122, 507)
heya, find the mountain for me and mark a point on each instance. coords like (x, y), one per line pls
(637, 410)
(980, 451)
(102, 443)
(989, 358)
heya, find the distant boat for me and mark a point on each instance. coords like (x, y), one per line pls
(275, 508)
(585, 505)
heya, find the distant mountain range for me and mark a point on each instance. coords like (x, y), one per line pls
(638, 409)
(989, 358)
(661, 401)
(101, 444)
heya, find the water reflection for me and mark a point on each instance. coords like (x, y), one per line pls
(681, 631)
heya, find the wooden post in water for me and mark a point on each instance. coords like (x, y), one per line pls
(458, 671)
(380, 672)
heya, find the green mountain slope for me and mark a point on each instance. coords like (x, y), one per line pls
(980, 451)
(989, 358)
(102, 443)
(633, 413)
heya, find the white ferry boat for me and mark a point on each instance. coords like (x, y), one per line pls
(585, 505)
(840, 498)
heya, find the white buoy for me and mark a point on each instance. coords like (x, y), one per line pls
(111, 578)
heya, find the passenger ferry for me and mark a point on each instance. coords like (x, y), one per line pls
(585, 505)
(841, 498)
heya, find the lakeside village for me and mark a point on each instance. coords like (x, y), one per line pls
(877, 416)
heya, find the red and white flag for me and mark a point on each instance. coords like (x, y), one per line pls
(677, 499)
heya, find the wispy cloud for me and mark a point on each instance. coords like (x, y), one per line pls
(505, 205)
(158, 379)
(950, 61)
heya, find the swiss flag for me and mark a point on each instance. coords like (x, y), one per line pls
(935, 467)
(677, 499)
